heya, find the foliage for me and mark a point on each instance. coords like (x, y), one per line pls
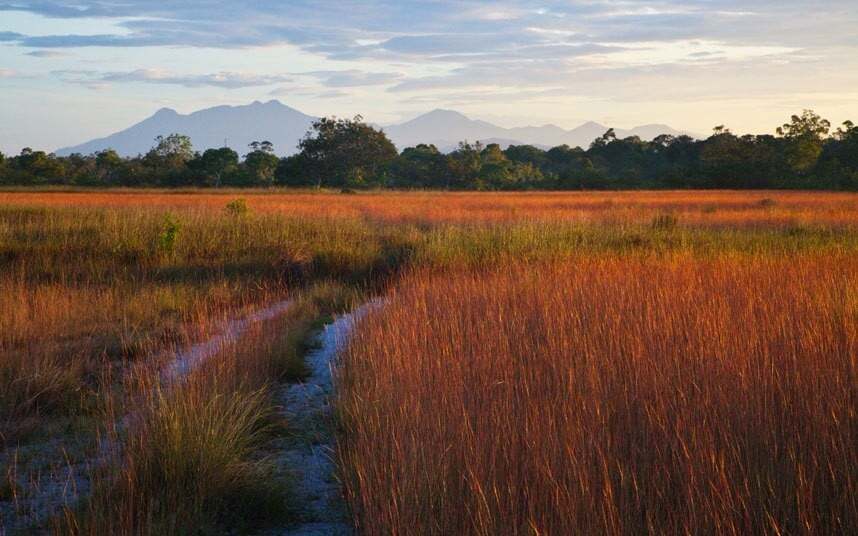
(237, 207)
(215, 164)
(169, 234)
(345, 152)
(348, 153)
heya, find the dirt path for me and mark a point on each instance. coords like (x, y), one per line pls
(188, 359)
(309, 455)
(47, 476)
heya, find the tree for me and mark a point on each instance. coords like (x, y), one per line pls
(721, 160)
(844, 132)
(526, 154)
(463, 165)
(38, 167)
(263, 146)
(807, 124)
(216, 164)
(606, 138)
(804, 133)
(838, 164)
(570, 167)
(175, 146)
(261, 163)
(805, 153)
(291, 172)
(339, 152)
(107, 165)
(421, 166)
(169, 156)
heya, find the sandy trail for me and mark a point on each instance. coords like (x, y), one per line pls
(307, 406)
(61, 481)
(187, 360)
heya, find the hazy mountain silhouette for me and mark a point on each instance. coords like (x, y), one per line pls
(284, 127)
(238, 125)
(446, 128)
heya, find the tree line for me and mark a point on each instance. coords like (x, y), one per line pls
(349, 154)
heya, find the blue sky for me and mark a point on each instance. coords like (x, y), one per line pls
(71, 71)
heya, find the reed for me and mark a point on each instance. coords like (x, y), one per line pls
(630, 326)
(613, 395)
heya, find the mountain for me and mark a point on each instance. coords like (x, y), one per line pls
(445, 128)
(238, 125)
(284, 127)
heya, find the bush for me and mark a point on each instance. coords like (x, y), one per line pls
(169, 234)
(237, 207)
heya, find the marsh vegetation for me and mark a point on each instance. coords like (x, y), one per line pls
(615, 363)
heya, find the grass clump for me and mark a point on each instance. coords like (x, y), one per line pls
(189, 466)
(237, 207)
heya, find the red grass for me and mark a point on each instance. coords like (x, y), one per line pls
(609, 396)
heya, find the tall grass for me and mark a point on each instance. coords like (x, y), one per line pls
(191, 456)
(96, 290)
(612, 395)
(84, 289)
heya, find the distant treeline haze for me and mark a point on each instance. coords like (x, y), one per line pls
(348, 153)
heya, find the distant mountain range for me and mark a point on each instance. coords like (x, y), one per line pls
(238, 126)
(446, 128)
(235, 126)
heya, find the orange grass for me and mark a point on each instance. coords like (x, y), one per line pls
(91, 290)
(715, 207)
(609, 395)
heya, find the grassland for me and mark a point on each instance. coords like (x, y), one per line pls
(609, 395)
(614, 363)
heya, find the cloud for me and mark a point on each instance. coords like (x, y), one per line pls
(7, 37)
(7, 73)
(618, 51)
(48, 54)
(338, 29)
(225, 80)
(353, 78)
(304, 92)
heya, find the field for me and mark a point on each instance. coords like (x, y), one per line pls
(535, 363)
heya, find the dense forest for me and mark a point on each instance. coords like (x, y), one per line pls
(348, 153)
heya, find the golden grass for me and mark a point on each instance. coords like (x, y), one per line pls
(188, 459)
(630, 327)
(609, 395)
(744, 208)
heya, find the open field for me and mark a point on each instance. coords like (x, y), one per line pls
(697, 207)
(542, 363)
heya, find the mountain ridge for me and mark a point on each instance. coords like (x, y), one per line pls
(238, 126)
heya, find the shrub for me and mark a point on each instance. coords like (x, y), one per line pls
(237, 207)
(169, 234)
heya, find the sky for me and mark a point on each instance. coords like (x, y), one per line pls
(74, 70)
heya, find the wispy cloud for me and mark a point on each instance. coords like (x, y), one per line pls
(353, 78)
(48, 54)
(226, 80)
